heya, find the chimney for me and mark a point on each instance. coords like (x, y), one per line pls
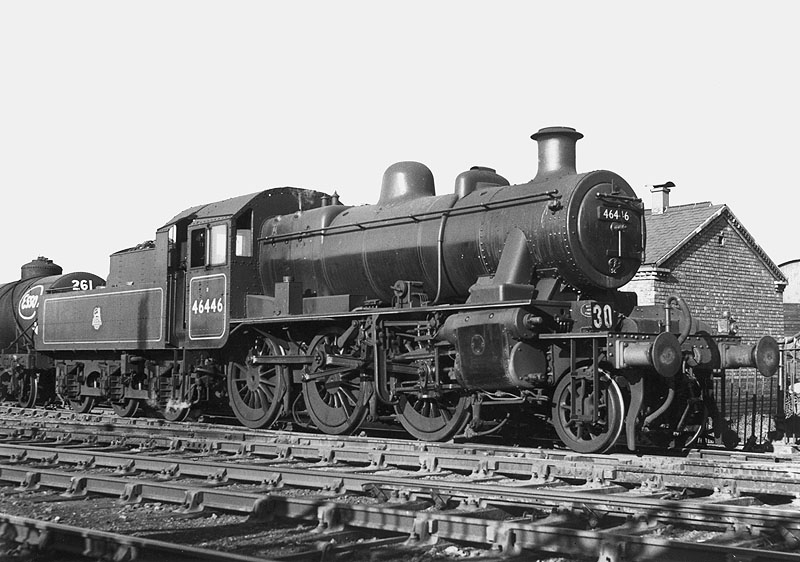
(556, 151)
(661, 197)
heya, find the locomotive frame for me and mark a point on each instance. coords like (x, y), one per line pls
(462, 315)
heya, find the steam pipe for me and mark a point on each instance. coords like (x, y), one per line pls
(686, 318)
(667, 403)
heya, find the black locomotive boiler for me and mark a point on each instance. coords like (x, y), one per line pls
(492, 309)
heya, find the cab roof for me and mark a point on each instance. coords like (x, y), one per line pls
(219, 209)
(306, 199)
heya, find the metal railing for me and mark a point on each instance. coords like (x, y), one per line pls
(788, 407)
(762, 411)
(750, 406)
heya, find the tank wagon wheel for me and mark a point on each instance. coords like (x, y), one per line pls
(582, 436)
(433, 415)
(338, 403)
(84, 404)
(256, 391)
(28, 390)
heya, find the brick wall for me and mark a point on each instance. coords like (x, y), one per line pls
(791, 319)
(718, 271)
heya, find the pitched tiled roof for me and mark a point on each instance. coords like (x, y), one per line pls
(668, 232)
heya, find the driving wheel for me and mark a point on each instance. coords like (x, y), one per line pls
(433, 415)
(336, 391)
(256, 390)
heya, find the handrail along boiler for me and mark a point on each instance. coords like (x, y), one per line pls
(449, 315)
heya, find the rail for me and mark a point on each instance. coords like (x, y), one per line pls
(598, 517)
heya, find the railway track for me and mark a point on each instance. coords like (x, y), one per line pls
(712, 469)
(400, 494)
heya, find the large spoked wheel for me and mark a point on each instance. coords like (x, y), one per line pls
(84, 404)
(433, 415)
(256, 391)
(585, 436)
(338, 403)
(28, 390)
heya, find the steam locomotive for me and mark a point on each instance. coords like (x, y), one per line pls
(492, 309)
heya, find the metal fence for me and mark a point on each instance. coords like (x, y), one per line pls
(750, 410)
(762, 411)
(788, 408)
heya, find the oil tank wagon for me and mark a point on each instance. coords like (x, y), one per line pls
(20, 366)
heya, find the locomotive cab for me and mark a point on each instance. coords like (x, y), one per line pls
(210, 247)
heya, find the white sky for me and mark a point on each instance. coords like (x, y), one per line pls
(115, 116)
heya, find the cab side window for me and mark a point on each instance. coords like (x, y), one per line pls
(198, 248)
(244, 235)
(218, 254)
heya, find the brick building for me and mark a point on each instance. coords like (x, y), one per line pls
(791, 298)
(704, 254)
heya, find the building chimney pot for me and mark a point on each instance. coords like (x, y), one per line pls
(661, 197)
